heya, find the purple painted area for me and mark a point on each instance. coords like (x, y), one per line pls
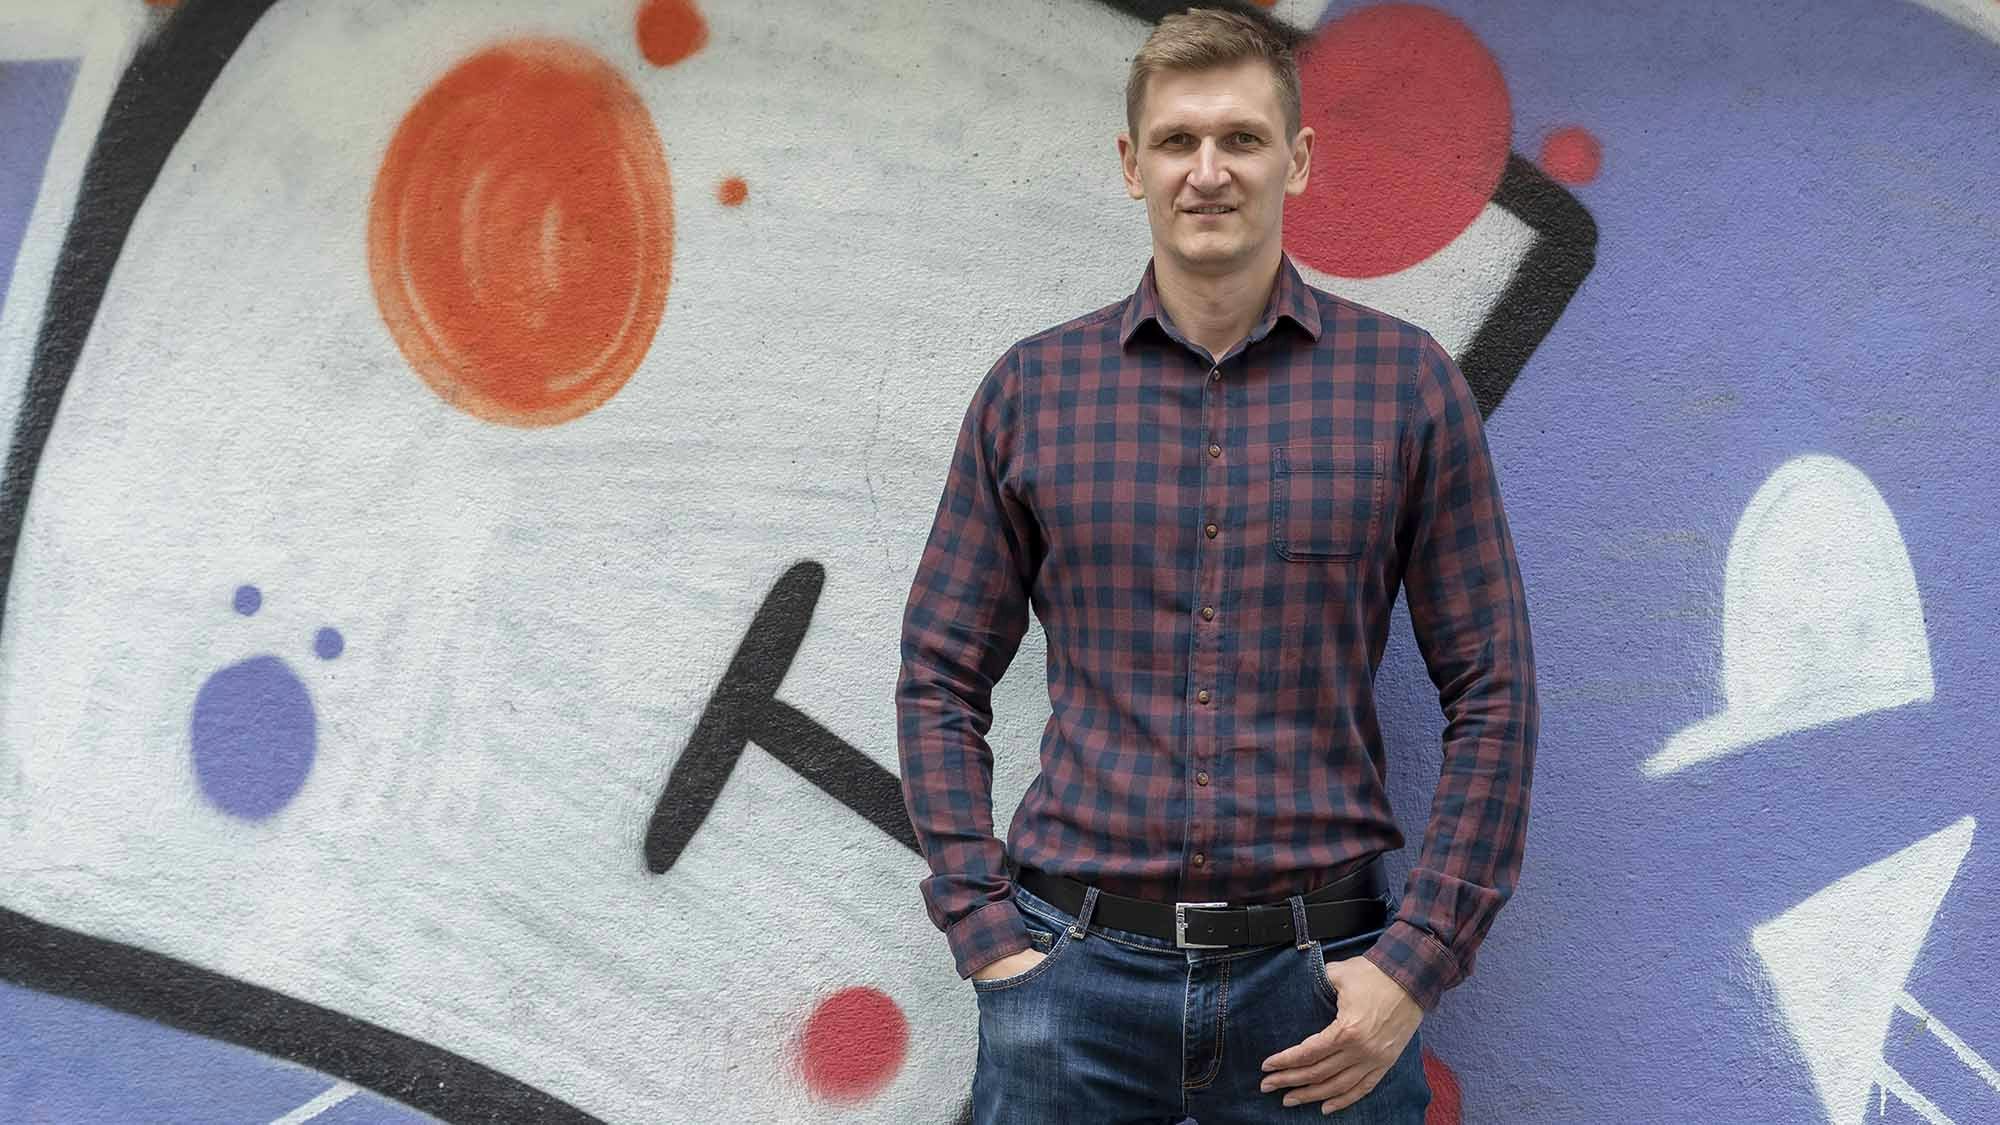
(1799, 252)
(66, 1060)
(254, 737)
(32, 97)
(248, 600)
(328, 643)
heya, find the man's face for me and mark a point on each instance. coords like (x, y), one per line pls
(1212, 162)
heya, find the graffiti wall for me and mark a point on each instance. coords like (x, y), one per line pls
(465, 464)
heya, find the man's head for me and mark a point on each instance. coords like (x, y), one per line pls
(1214, 142)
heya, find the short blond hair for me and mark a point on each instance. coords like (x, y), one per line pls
(1201, 38)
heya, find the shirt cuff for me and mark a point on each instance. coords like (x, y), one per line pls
(1416, 961)
(987, 934)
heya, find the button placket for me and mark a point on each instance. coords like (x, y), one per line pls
(1206, 647)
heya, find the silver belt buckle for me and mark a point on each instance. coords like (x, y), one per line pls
(1180, 924)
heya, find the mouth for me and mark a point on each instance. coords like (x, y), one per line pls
(1209, 210)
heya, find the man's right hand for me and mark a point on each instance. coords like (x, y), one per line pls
(1012, 965)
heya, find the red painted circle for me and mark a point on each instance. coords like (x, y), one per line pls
(1412, 122)
(1572, 155)
(1447, 1101)
(733, 192)
(853, 1044)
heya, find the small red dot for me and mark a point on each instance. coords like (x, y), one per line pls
(1572, 155)
(1447, 1101)
(853, 1044)
(670, 30)
(733, 192)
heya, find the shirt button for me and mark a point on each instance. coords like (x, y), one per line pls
(1211, 530)
(1201, 778)
(1201, 696)
(1215, 451)
(1208, 613)
(1200, 860)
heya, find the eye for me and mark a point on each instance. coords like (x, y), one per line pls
(1246, 139)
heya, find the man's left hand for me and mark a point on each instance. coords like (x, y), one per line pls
(1340, 1065)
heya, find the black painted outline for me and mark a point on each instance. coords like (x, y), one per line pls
(744, 707)
(1563, 254)
(126, 978)
(1544, 281)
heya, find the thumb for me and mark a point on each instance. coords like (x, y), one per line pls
(1339, 974)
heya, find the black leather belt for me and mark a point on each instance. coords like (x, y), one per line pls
(1347, 907)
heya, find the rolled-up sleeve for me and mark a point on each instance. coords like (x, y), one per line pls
(1469, 612)
(964, 620)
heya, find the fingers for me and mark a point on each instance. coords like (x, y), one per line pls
(1310, 1050)
(1331, 1082)
(1334, 1056)
(1344, 1089)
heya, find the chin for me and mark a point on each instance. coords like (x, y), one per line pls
(1210, 251)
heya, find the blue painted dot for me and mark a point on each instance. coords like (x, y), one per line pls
(254, 735)
(248, 599)
(328, 643)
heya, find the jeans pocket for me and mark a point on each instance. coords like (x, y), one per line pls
(1046, 936)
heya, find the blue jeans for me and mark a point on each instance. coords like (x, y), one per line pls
(1118, 1028)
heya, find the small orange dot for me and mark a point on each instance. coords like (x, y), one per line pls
(733, 192)
(670, 30)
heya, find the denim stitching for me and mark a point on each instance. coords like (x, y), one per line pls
(1221, 1025)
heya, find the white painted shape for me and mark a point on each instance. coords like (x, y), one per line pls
(1982, 16)
(1451, 293)
(1841, 959)
(535, 620)
(1985, 1070)
(1821, 620)
(327, 1099)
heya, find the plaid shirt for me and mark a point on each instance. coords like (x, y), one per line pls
(1213, 548)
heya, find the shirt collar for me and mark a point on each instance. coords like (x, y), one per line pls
(1290, 298)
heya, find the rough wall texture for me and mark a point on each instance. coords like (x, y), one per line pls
(465, 464)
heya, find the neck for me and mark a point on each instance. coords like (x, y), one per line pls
(1216, 311)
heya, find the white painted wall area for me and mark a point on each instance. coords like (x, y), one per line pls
(467, 463)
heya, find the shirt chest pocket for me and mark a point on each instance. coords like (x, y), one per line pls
(1326, 499)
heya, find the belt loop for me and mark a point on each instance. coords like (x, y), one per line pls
(1299, 928)
(1082, 923)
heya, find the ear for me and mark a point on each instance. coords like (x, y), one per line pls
(1128, 156)
(1300, 169)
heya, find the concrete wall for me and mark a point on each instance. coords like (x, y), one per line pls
(465, 464)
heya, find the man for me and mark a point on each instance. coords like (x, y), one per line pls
(1209, 493)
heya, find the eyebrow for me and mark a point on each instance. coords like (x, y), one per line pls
(1168, 129)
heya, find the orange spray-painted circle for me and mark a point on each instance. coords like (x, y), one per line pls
(520, 237)
(733, 191)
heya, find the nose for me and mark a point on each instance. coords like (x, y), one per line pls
(1207, 174)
